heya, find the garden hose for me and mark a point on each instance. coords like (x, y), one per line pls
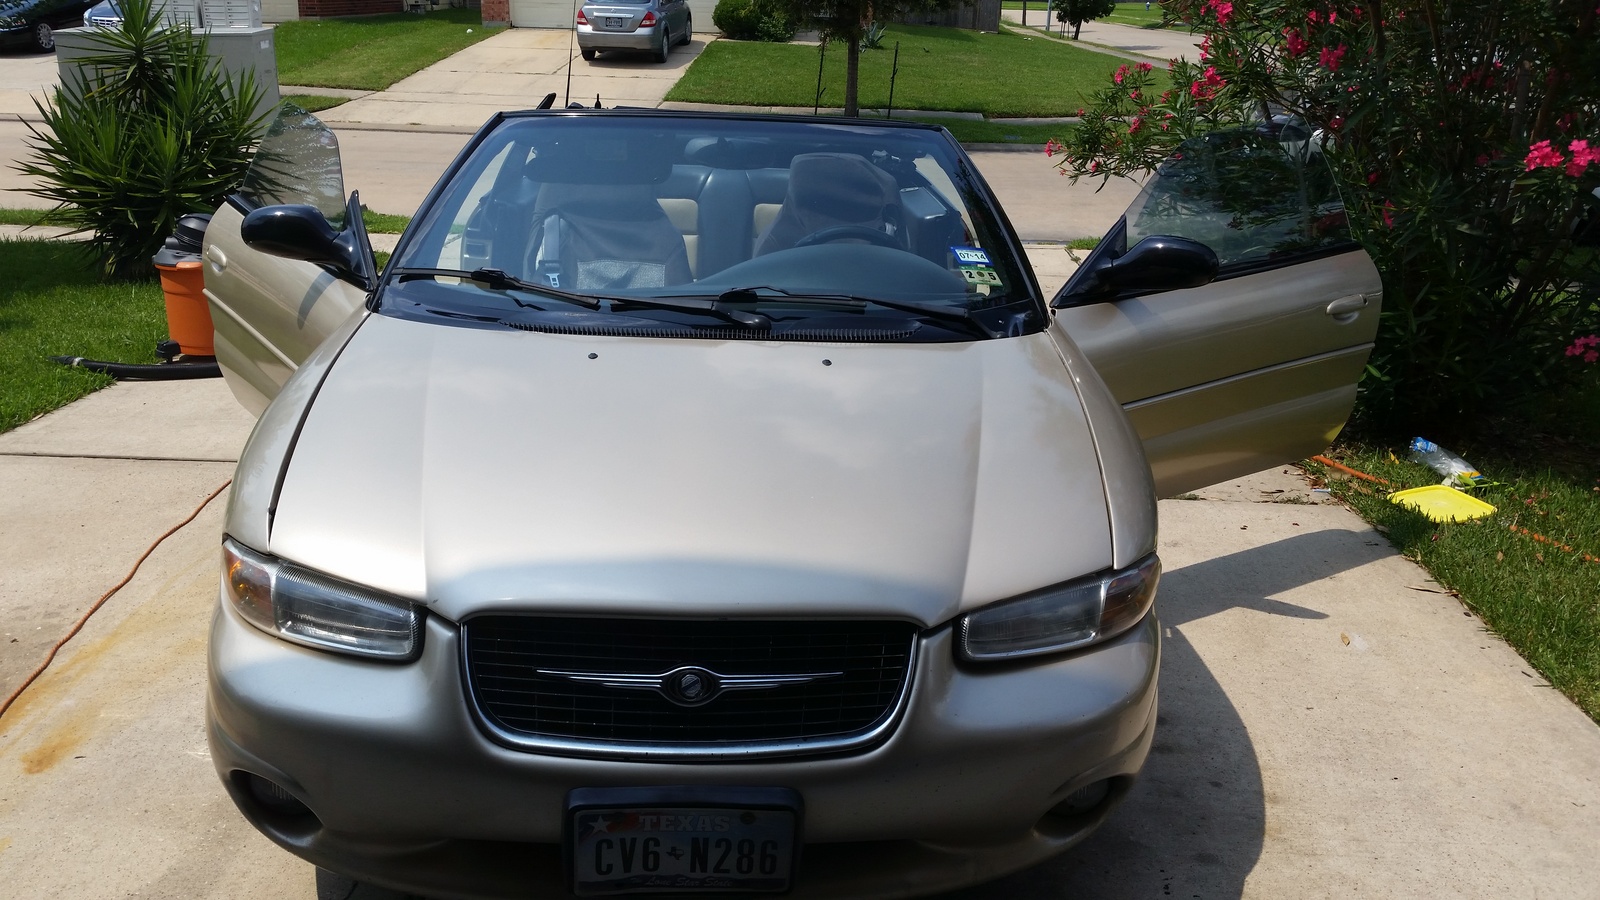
(173, 371)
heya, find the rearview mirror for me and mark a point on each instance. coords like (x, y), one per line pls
(298, 231)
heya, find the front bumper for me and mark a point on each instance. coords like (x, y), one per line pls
(409, 793)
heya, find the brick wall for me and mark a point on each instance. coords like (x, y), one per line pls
(496, 12)
(318, 9)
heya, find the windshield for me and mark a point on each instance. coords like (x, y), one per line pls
(801, 222)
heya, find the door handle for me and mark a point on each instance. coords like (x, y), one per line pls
(1345, 308)
(219, 260)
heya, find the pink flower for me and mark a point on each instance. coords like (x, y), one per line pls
(1145, 67)
(1330, 57)
(1122, 71)
(1050, 147)
(1207, 87)
(1586, 347)
(1094, 165)
(1135, 125)
(1336, 123)
(1372, 178)
(1482, 159)
(1542, 155)
(1582, 156)
(1295, 42)
(1388, 214)
(1222, 8)
(1313, 17)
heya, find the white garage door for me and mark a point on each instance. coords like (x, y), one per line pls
(559, 14)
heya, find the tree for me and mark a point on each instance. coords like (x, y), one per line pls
(1466, 138)
(1077, 12)
(847, 21)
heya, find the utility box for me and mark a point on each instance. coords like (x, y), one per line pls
(238, 49)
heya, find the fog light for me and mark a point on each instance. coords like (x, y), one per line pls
(1083, 799)
(274, 797)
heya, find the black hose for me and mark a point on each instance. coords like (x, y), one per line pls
(151, 372)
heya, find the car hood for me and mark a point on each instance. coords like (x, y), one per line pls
(479, 469)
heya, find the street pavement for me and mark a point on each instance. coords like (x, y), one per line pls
(1332, 725)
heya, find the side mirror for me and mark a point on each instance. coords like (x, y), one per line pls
(1157, 263)
(1160, 263)
(302, 232)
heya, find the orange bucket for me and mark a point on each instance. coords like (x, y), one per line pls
(188, 316)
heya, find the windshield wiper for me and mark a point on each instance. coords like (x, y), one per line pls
(946, 313)
(499, 279)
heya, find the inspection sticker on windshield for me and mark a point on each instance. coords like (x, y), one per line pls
(980, 275)
(670, 849)
(970, 256)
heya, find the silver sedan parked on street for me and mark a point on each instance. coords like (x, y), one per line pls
(714, 504)
(651, 26)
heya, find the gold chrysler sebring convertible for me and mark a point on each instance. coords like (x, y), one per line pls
(705, 503)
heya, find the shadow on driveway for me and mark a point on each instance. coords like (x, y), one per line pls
(1194, 824)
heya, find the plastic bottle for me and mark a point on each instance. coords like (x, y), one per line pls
(1457, 472)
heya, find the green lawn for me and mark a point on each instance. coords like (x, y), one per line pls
(53, 303)
(940, 68)
(372, 52)
(1543, 597)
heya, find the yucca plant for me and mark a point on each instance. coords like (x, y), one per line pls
(150, 128)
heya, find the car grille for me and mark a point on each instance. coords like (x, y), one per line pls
(864, 667)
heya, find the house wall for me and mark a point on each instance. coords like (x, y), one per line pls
(317, 9)
(981, 15)
(560, 13)
(273, 11)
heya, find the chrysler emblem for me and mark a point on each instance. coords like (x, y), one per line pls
(687, 685)
(690, 686)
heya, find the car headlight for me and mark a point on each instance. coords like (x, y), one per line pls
(1065, 617)
(309, 608)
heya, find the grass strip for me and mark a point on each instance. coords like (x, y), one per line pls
(383, 223)
(967, 131)
(1542, 599)
(53, 303)
(372, 52)
(940, 68)
(20, 216)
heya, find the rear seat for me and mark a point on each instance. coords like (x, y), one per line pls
(721, 212)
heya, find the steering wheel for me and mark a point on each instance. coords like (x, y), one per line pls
(850, 233)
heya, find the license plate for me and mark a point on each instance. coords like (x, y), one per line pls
(613, 23)
(639, 841)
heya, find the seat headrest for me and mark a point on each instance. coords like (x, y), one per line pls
(841, 186)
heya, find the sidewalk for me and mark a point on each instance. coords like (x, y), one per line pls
(1157, 44)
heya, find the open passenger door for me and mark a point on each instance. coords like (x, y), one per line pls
(270, 312)
(1259, 366)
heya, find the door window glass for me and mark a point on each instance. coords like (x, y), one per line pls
(297, 162)
(1254, 196)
